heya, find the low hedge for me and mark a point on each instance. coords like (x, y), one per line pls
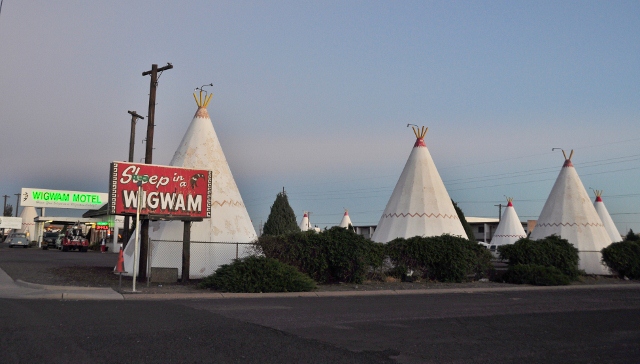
(334, 255)
(623, 258)
(258, 274)
(551, 251)
(538, 275)
(443, 258)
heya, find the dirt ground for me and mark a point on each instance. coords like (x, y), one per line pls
(93, 269)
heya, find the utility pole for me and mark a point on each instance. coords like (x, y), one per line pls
(3, 210)
(132, 138)
(144, 228)
(5, 203)
(17, 202)
(499, 211)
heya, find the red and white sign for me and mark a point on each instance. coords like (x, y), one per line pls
(166, 191)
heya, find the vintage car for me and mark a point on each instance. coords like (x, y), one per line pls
(17, 239)
(73, 239)
(49, 240)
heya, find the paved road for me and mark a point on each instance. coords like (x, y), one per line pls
(586, 325)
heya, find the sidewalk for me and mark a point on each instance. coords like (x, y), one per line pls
(24, 290)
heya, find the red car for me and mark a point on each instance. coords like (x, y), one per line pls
(73, 239)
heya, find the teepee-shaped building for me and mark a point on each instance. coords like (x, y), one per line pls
(569, 214)
(419, 204)
(346, 220)
(510, 228)
(229, 222)
(305, 224)
(27, 215)
(602, 211)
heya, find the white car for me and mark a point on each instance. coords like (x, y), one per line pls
(17, 239)
(486, 245)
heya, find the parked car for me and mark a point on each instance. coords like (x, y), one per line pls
(73, 239)
(49, 240)
(18, 239)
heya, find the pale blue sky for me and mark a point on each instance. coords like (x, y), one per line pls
(316, 96)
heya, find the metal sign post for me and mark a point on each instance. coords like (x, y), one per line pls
(136, 252)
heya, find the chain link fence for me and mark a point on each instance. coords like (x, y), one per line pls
(205, 257)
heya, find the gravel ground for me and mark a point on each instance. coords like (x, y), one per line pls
(93, 269)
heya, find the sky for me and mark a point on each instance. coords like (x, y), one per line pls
(315, 97)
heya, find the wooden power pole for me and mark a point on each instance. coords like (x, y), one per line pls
(144, 228)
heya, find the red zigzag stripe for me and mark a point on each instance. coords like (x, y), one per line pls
(569, 224)
(509, 236)
(230, 203)
(421, 215)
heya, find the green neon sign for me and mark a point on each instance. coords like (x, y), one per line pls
(80, 198)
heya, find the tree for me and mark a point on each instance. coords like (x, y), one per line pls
(631, 236)
(465, 224)
(8, 210)
(281, 219)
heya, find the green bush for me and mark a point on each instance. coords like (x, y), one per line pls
(334, 255)
(444, 258)
(551, 251)
(623, 258)
(538, 275)
(258, 274)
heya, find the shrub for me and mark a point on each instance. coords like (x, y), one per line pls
(258, 274)
(444, 258)
(538, 275)
(551, 251)
(623, 258)
(335, 255)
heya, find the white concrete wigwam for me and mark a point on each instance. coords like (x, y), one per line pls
(229, 222)
(602, 211)
(346, 220)
(419, 204)
(27, 215)
(305, 224)
(510, 228)
(569, 214)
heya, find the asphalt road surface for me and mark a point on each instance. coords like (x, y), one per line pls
(600, 325)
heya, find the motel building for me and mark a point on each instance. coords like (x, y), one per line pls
(95, 221)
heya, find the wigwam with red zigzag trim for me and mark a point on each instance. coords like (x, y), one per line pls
(569, 214)
(419, 204)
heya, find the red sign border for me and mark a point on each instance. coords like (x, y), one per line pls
(113, 192)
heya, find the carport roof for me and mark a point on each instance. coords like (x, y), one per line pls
(65, 220)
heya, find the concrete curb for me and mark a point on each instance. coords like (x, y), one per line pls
(24, 290)
(216, 295)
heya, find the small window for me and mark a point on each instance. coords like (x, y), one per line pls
(481, 229)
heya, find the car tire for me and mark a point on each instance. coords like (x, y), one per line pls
(65, 249)
(26, 246)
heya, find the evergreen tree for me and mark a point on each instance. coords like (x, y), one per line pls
(8, 210)
(465, 224)
(281, 219)
(631, 236)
